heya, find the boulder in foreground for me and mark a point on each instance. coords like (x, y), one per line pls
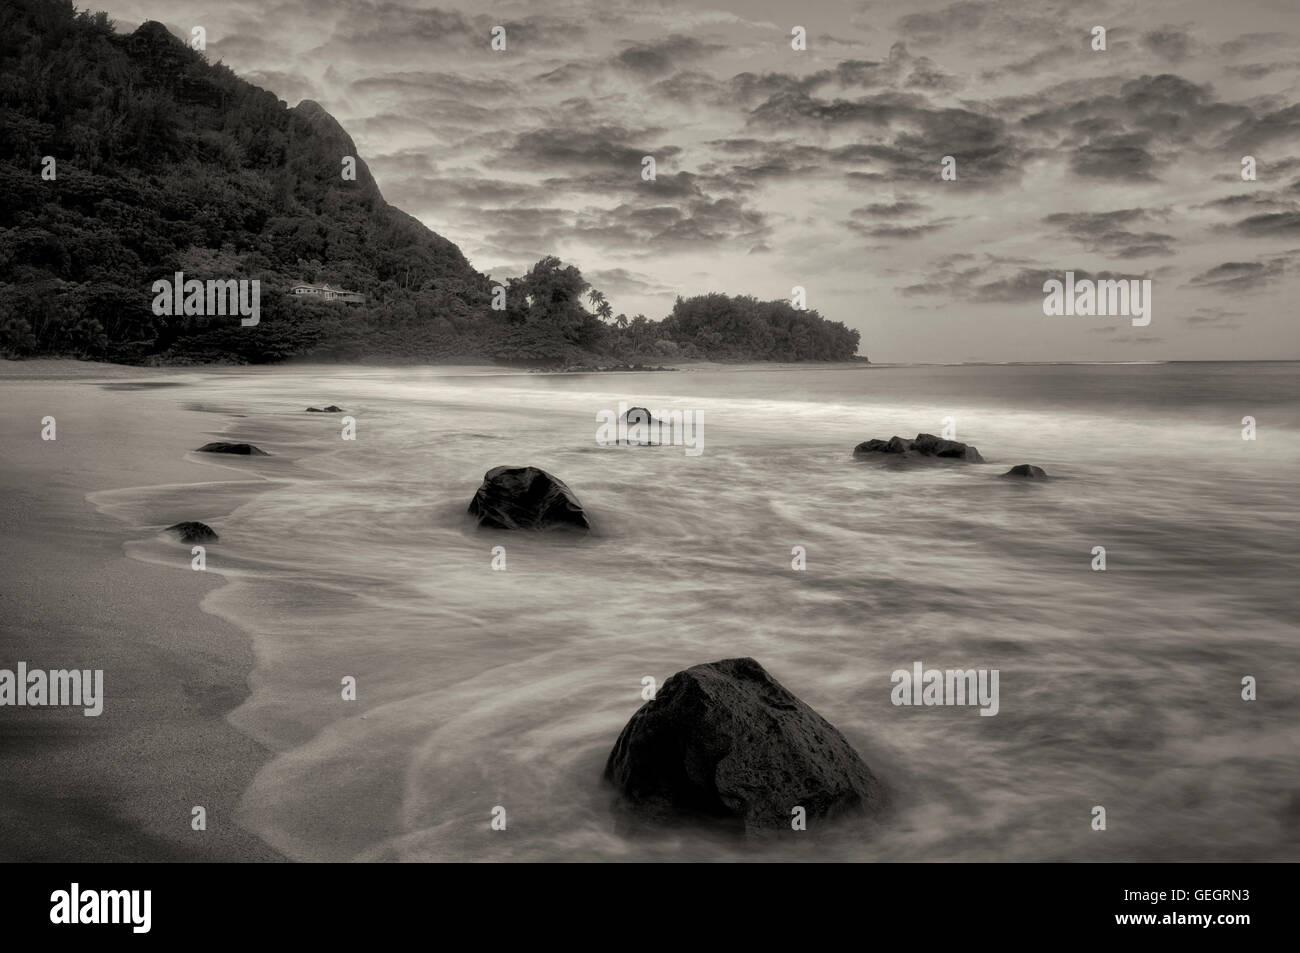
(1026, 471)
(726, 742)
(246, 449)
(192, 531)
(925, 445)
(526, 498)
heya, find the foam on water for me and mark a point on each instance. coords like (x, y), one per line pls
(479, 688)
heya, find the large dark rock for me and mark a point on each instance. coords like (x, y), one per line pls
(526, 498)
(925, 445)
(638, 415)
(220, 446)
(933, 446)
(331, 409)
(1026, 471)
(194, 532)
(726, 742)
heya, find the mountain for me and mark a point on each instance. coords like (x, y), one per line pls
(127, 158)
(164, 162)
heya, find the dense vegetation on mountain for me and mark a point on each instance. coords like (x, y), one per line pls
(164, 163)
(746, 328)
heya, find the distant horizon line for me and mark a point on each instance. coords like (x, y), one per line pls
(1216, 360)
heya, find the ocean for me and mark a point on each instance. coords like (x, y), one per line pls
(479, 688)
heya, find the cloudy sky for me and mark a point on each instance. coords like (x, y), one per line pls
(821, 168)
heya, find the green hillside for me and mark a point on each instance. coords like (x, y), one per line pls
(165, 163)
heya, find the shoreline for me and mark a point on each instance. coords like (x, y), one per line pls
(467, 704)
(74, 368)
(121, 786)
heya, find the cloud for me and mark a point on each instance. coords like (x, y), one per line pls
(1261, 70)
(925, 75)
(424, 83)
(1253, 43)
(827, 39)
(1027, 284)
(1048, 59)
(904, 232)
(989, 27)
(889, 209)
(1131, 130)
(661, 56)
(1254, 131)
(601, 147)
(235, 46)
(906, 134)
(939, 26)
(765, 155)
(659, 229)
(436, 191)
(534, 229)
(1238, 277)
(1214, 318)
(1236, 201)
(688, 87)
(1171, 43)
(1115, 157)
(1270, 224)
(747, 164)
(1110, 233)
(619, 281)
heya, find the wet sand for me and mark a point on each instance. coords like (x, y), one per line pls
(120, 786)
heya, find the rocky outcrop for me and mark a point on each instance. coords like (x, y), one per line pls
(1026, 471)
(526, 498)
(725, 742)
(246, 449)
(194, 532)
(331, 409)
(925, 445)
(638, 415)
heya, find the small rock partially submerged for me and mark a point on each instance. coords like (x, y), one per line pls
(925, 444)
(589, 368)
(725, 742)
(331, 409)
(640, 423)
(1026, 471)
(526, 498)
(220, 446)
(192, 531)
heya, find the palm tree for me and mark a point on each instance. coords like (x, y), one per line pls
(597, 298)
(604, 309)
(621, 320)
(638, 329)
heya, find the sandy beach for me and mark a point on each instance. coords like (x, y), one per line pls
(120, 786)
(479, 688)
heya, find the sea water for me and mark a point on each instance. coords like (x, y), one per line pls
(481, 688)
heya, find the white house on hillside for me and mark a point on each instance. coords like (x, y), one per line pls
(329, 293)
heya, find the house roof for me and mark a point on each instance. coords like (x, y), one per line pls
(325, 287)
